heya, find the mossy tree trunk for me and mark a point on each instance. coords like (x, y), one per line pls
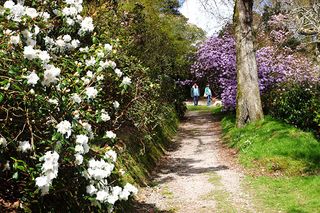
(249, 107)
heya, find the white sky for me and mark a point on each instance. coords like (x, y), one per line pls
(211, 19)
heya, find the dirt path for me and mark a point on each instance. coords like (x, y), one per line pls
(195, 176)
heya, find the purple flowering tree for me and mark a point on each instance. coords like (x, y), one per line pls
(216, 62)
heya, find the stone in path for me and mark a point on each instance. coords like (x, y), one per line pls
(194, 177)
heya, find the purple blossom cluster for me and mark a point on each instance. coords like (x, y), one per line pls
(216, 63)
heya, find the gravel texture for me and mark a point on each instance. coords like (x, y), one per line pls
(182, 181)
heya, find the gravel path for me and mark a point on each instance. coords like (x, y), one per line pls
(196, 175)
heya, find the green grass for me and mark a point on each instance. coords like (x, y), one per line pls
(284, 161)
(203, 108)
(274, 147)
(287, 194)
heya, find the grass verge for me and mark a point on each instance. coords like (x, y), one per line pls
(285, 162)
(275, 147)
(286, 194)
(203, 108)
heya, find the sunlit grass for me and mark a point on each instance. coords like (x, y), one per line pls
(287, 194)
(203, 108)
(285, 162)
(275, 146)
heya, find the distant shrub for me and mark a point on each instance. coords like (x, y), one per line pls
(296, 103)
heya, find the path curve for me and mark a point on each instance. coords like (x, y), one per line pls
(195, 175)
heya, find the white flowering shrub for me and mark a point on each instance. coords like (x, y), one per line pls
(63, 95)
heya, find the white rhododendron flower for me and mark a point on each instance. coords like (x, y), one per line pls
(86, 81)
(70, 21)
(90, 62)
(79, 159)
(79, 149)
(9, 4)
(51, 75)
(110, 134)
(91, 189)
(29, 52)
(87, 25)
(49, 171)
(76, 98)
(127, 190)
(118, 72)
(100, 78)
(14, 40)
(67, 38)
(89, 74)
(44, 15)
(104, 116)
(75, 43)
(31, 12)
(44, 56)
(86, 126)
(102, 195)
(86, 49)
(100, 54)
(91, 92)
(42, 181)
(99, 169)
(112, 64)
(111, 154)
(64, 127)
(116, 104)
(108, 47)
(82, 139)
(126, 81)
(61, 43)
(24, 146)
(3, 142)
(32, 78)
(53, 101)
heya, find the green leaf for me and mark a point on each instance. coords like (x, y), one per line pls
(1, 97)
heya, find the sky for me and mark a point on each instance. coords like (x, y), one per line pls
(212, 18)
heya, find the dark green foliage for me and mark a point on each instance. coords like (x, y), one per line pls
(297, 104)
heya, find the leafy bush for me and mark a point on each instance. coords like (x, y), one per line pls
(297, 104)
(64, 95)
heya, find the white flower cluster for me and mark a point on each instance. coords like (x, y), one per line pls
(18, 11)
(24, 146)
(81, 148)
(31, 53)
(91, 92)
(64, 127)
(98, 172)
(111, 135)
(51, 75)
(104, 116)
(126, 81)
(107, 63)
(72, 15)
(49, 171)
(89, 86)
(3, 142)
(62, 43)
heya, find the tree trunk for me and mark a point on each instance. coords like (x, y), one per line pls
(249, 107)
